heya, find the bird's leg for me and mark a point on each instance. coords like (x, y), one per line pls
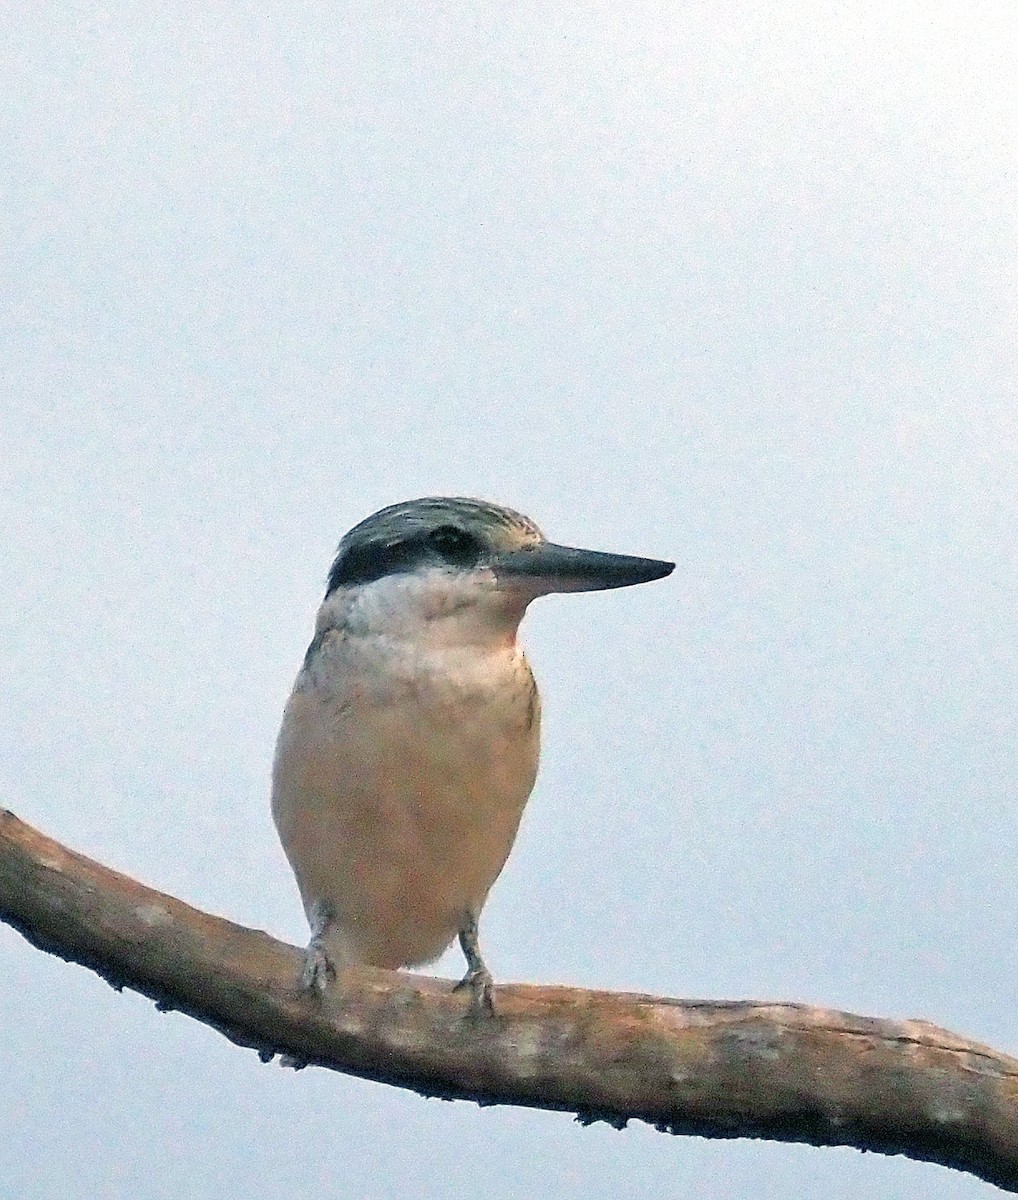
(318, 969)
(478, 977)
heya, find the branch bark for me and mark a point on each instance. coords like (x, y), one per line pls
(787, 1072)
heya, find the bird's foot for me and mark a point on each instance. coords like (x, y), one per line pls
(478, 977)
(479, 983)
(318, 971)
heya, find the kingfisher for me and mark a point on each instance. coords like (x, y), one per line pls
(410, 742)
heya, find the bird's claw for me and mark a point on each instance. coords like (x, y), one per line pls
(318, 972)
(480, 984)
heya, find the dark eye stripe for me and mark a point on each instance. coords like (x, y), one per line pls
(369, 561)
(373, 560)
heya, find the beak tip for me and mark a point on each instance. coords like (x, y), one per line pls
(652, 569)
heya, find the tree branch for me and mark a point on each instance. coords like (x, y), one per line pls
(714, 1068)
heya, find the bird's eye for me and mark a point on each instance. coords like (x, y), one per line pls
(455, 545)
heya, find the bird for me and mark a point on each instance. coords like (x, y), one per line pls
(409, 745)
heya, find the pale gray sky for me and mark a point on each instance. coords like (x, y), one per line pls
(733, 285)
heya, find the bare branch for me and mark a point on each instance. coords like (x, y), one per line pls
(714, 1068)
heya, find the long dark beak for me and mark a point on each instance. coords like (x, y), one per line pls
(546, 567)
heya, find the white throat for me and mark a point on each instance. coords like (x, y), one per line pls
(434, 607)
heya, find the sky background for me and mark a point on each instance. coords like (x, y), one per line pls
(733, 285)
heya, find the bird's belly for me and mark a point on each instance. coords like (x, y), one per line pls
(400, 816)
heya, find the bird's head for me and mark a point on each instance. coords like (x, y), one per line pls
(445, 557)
